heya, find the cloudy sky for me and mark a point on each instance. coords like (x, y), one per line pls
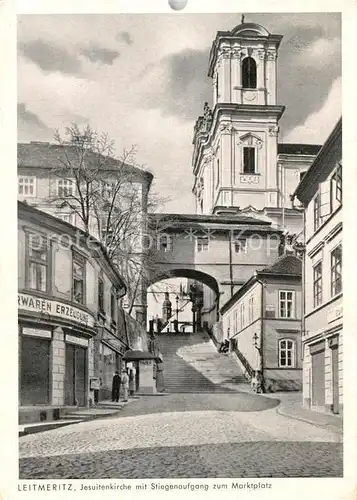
(143, 80)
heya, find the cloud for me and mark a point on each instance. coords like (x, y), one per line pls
(125, 36)
(28, 117)
(318, 126)
(30, 126)
(50, 57)
(100, 54)
(183, 86)
(306, 74)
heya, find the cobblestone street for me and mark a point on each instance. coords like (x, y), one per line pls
(185, 435)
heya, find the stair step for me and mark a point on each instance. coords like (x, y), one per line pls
(193, 365)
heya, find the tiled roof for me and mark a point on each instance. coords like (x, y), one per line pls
(46, 155)
(298, 149)
(285, 265)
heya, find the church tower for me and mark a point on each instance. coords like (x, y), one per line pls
(235, 143)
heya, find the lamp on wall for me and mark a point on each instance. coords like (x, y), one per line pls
(255, 341)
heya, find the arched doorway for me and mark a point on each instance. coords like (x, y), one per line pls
(181, 295)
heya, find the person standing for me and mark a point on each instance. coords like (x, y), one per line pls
(131, 382)
(125, 382)
(116, 387)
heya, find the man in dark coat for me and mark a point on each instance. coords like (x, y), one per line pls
(116, 387)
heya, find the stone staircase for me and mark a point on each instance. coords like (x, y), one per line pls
(193, 365)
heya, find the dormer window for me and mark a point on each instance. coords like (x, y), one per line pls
(249, 73)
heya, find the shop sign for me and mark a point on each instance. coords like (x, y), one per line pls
(77, 340)
(36, 332)
(334, 313)
(54, 308)
(115, 344)
(145, 362)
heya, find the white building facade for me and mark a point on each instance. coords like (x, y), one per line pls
(320, 192)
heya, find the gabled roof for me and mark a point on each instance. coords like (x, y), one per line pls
(286, 265)
(50, 156)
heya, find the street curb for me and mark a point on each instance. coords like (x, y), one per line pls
(307, 420)
(35, 430)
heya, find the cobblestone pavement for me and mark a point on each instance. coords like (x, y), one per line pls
(218, 437)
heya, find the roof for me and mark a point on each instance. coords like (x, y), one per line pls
(250, 29)
(322, 166)
(286, 265)
(49, 156)
(135, 355)
(298, 149)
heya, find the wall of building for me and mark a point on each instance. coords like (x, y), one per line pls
(54, 316)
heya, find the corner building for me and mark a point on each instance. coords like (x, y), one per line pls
(320, 193)
(70, 333)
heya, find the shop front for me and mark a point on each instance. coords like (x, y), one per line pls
(54, 354)
(111, 353)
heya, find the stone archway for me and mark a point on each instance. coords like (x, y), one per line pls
(197, 294)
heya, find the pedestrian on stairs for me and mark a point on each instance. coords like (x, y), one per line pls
(125, 382)
(116, 387)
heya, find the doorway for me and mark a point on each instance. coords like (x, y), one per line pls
(35, 371)
(76, 375)
(318, 378)
(335, 380)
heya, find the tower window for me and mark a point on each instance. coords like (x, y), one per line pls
(249, 160)
(249, 73)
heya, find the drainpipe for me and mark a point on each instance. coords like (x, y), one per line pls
(261, 343)
(230, 263)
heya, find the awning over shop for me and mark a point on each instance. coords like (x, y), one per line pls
(135, 355)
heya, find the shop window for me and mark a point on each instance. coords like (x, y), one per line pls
(65, 188)
(101, 295)
(249, 73)
(286, 353)
(336, 271)
(38, 262)
(286, 304)
(78, 273)
(249, 160)
(317, 273)
(26, 185)
(202, 244)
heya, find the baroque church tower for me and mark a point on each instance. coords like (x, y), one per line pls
(236, 163)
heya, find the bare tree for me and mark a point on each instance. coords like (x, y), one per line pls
(107, 195)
